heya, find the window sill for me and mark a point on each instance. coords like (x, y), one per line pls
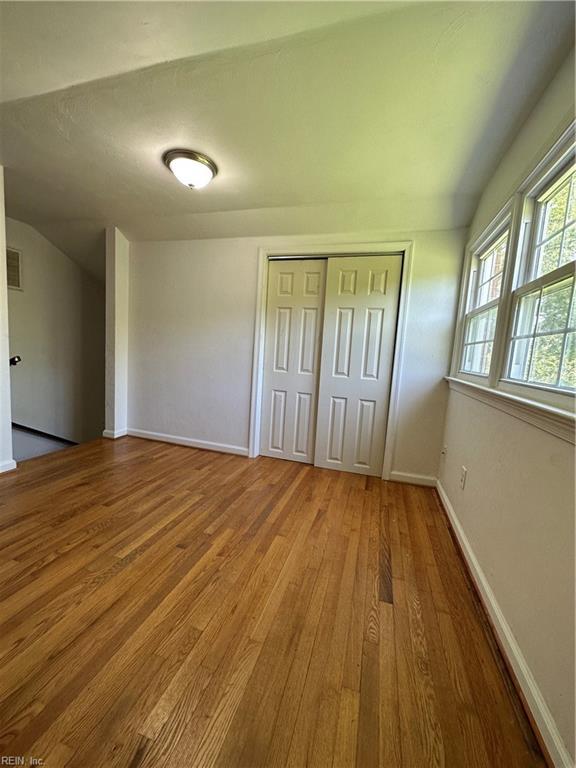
(556, 421)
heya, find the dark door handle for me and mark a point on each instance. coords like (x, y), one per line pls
(15, 360)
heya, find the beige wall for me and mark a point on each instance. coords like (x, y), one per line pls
(57, 327)
(517, 509)
(192, 314)
(517, 512)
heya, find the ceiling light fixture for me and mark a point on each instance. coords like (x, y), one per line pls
(191, 168)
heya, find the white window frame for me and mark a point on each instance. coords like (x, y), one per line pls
(518, 215)
(471, 287)
(502, 222)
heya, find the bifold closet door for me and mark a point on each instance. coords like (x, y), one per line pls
(291, 358)
(360, 314)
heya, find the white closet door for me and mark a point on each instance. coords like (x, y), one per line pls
(292, 357)
(357, 354)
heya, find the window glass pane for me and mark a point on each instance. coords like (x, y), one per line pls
(554, 306)
(477, 358)
(481, 327)
(520, 359)
(556, 235)
(467, 358)
(568, 374)
(486, 357)
(526, 315)
(568, 245)
(482, 295)
(546, 355)
(494, 287)
(500, 255)
(572, 202)
(490, 268)
(472, 329)
(542, 346)
(549, 255)
(555, 212)
(486, 265)
(490, 290)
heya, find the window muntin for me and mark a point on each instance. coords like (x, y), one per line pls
(556, 226)
(543, 343)
(480, 320)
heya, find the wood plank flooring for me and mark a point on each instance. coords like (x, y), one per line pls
(163, 606)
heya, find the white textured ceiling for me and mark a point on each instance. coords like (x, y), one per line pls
(392, 121)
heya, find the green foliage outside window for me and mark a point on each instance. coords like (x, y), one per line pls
(544, 351)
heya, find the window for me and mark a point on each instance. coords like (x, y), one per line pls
(484, 292)
(542, 349)
(556, 227)
(517, 324)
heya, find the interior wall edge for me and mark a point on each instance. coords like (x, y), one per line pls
(529, 689)
(7, 466)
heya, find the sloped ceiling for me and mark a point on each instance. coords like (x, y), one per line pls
(46, 46)
(389, 119)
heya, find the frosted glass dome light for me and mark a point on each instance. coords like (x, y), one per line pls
(191, 168)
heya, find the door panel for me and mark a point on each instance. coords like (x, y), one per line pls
(291, 359)
(357, 353)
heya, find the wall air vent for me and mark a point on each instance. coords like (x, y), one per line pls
(14, 268)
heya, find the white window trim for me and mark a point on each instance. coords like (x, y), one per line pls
(557, 275)
(502, 221)
(545, 407)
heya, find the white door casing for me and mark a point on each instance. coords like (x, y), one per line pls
(359, 331)
(291, 358)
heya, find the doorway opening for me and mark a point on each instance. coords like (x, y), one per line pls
(56, 326)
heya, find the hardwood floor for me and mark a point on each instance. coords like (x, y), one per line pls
(163, 606)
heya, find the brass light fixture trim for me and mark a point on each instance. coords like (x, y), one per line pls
(189, 154)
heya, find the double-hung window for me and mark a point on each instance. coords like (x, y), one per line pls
(484, 289)
(542, 348)
(516, 334)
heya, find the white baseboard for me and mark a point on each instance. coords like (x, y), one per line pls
(113, 434)
(238, 450)
(7, 466)
(406, 477)
(534, 698)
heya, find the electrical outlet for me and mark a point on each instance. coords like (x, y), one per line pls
(463, 474)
